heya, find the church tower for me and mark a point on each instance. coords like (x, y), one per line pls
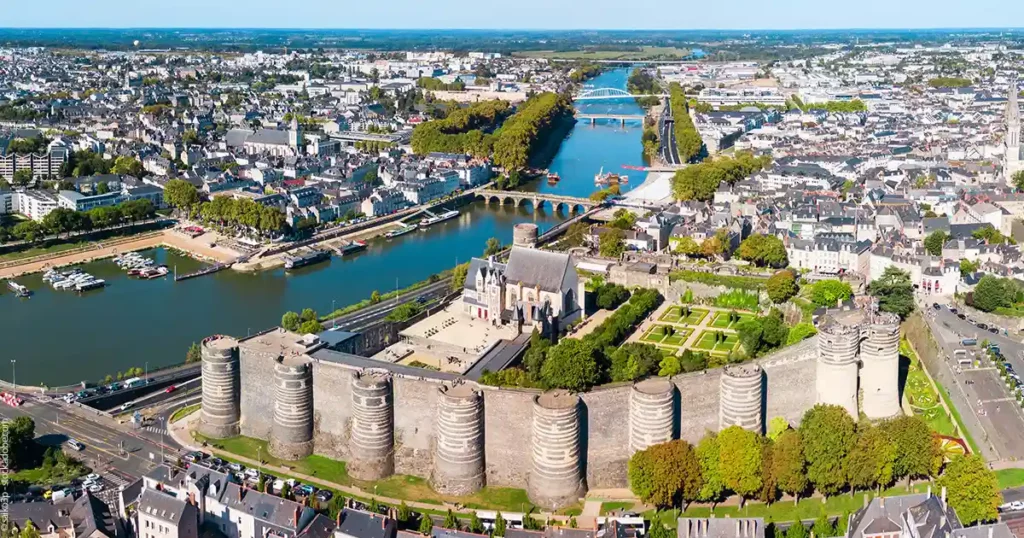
(295, 138)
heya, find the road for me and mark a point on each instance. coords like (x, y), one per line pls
(371, 315)
(982, 398)
(669, 148)
(108, 448)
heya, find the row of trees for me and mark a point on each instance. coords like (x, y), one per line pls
(688, 140)
(700, 181)
(578, 364)
(462, 131)
(993, 293)
(224, 210)
(855, 105)
(522, 132)
(829, 453)
(433, 84)
(67, 221)
(949, 82)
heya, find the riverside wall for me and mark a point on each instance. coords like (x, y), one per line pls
(508, 414)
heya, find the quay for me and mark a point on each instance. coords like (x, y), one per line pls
(217, 267)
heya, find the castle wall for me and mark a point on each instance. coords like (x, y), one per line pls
(257, 393)
(605, 435)
(415, 418)
(698, 403)
(331, 419)
(508, 423)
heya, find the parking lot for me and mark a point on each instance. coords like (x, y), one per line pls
(251, 477)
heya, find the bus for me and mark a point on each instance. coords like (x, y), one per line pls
(134, 382)
(633, 524)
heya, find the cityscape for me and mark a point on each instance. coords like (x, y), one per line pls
(461, 280)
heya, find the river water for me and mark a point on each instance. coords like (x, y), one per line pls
(62, 337)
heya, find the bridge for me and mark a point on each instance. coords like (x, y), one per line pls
(537, 199)
(597, 94)
(623, 118)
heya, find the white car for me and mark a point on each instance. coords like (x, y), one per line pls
(125, 406)
(252, 473)
(236, 467)
(95, 488)
(278, 485)
(92, 476)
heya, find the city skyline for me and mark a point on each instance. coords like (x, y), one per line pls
(530, 14)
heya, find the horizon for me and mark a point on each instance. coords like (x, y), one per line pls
(527, 29)
(540, 15)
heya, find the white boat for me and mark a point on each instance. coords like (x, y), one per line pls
(448, 215)
(18, 289)
(90, 284)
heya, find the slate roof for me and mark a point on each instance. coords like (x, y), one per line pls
(91, 515)
(366, 524)
(533, 267)
(481, 267)
(163, 506)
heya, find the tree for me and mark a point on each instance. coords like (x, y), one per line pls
(194, 354)
(28, 230)
(894, 292)
(475, 526)
(790, 464)
(633, 361)
(60, 220)
(665, 474)
(575, 235)
(796, 530)
(290, 321)
(992, 293)
(451, 521)
(611, 243)
(781, 286)
(750, 333)
(181, 194)
(774, 331)
(21, 444)
(967, 267)
(763, 250)
(769, 491)
(286, 491)
(776, 426)
(827, 432)
(493, 247)
(822, 527)
(739, 453)
(190, 137)
(1018, 180)
(22, 177)
(30, 531)
(374, 297)
(686, 246)
(127, 166)
(918, 452)
(973, 490)
(712, 488)
(871, 459)
(499, 525)
(571, 365)
(933, 243)
(610, 296)
(829, 293)
(311, 326)
(426, 526)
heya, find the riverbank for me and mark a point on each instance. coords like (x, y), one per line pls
(198, 247)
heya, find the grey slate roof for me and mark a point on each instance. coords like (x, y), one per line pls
(692, 527)
(360, 524)
(91, 515)
(164, 507)
(533, 267)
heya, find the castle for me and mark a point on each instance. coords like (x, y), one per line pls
(384, 418)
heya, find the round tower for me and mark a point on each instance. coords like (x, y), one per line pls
(372, 434)
(739, 397)
(556, 479)
(459, 449)
(651, 413)
(221, 387)
(291, 435)
(525, 234)
(880, 366)
(836, 383)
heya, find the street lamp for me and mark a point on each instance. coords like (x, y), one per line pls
(14, 378)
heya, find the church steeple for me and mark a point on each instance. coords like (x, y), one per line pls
(295, 135)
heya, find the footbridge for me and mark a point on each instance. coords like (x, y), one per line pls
(597, 94)
(537, 200)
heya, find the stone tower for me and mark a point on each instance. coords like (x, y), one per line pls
(1013, 163)
(295, 137)
(880, 370)
(221, 387)
(838, 349)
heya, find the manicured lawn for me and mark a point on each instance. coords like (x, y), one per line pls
(667, 351)
(675, 339)
(608, 507)
(721, 320)
(318, 466)
(675, 315)
(184, 412)
(672, 315)
(706, 341)
(695, 317)
(1010, 478)
(659, 334)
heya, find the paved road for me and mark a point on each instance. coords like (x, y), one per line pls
(669, 148)
(371, 315)
(108, 449)
(982, 398)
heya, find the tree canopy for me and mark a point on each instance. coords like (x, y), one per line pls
(894, 291)
(781, 286)
(665, 474)
(827, 432)
(972, 489)
(763, 250)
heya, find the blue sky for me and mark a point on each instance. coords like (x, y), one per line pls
(539, 14)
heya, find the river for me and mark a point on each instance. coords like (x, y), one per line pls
(62, 337)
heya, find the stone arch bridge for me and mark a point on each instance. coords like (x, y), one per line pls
(537, 200)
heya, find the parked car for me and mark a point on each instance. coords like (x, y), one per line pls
(961, 316)
(993, 330)
(252, 473)
(75, 445)
(324, 495)
(983, 326)
(236, 466)
(953, 310)
(193, 457)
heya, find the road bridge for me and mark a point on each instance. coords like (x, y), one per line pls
(622, 118)
(599, 94)
(537, 199)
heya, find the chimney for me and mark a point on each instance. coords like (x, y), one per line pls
(192, 498)
(338, 519)
(991, 531)
(943, 497)
(383, 523)
(295, 520)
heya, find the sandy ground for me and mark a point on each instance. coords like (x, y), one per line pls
(199, 247)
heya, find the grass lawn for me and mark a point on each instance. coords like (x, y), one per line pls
(922, 397)
(184, 412)
(706, 341)
(695, 317)
(672, 315)
(783, 511)
(318, 466)
(677, 337)
(667, 351)
(1010, 478)
(616, 506)
(39, 251)
(721, 320)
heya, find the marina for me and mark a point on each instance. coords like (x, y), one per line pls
(163, 316)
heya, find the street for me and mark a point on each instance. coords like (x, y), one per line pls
(982, 398)
(369, 316)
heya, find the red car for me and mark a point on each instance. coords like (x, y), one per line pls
(170, 388)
